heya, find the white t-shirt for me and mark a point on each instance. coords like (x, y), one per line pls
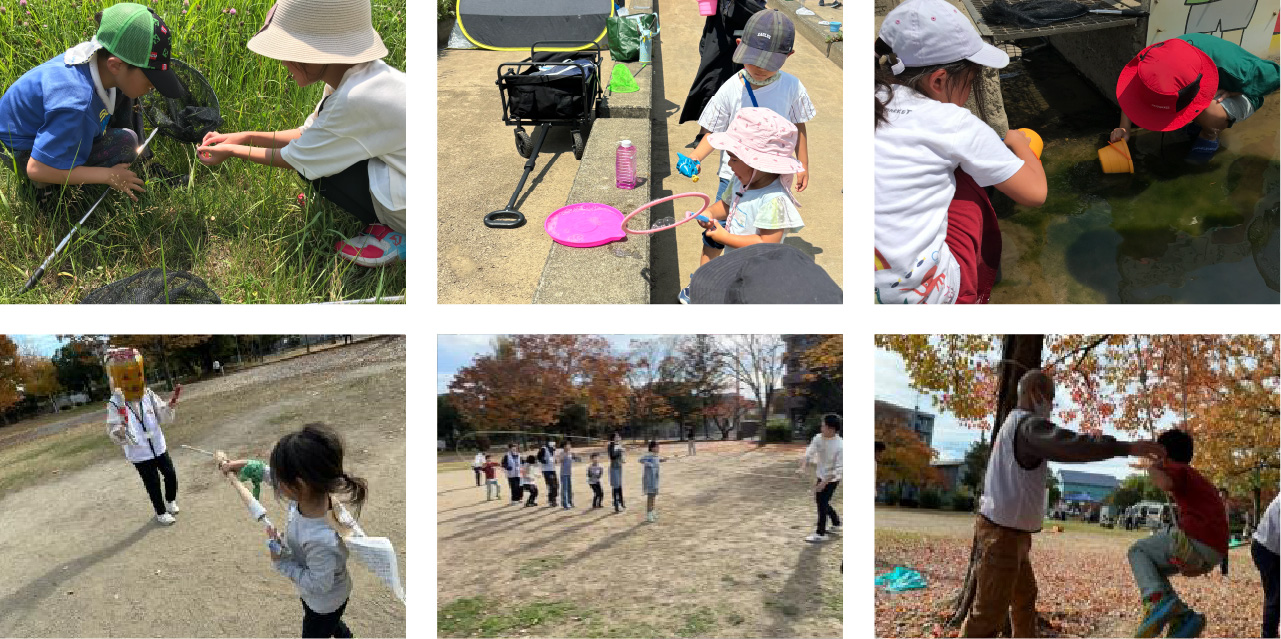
(827, 457)
(363, 118)
(1269, 531)
(763, 208)
(785, 96)
(142, 419)
(917, 152)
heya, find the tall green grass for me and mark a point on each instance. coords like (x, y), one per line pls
(241, 227)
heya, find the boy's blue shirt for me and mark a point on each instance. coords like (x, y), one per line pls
(54, 112)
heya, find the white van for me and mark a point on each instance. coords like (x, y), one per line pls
(1152, 514)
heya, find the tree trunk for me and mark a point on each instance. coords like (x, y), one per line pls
(1019, 354)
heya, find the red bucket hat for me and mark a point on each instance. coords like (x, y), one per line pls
(1166, 85)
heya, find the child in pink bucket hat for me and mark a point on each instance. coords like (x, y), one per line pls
(759, 206)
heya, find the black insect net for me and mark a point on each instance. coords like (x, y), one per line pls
(155, 286)
(189, 118)
(1032, 13)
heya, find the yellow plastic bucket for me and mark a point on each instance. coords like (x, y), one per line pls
(1034, 140)
(1115, 158)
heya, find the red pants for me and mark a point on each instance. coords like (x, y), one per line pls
(974, 239)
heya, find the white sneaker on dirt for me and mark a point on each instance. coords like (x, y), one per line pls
(165, 519)
(833, 530)
(815, 538)
(172, 507)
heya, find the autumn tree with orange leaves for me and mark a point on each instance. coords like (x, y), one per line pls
(529, 380)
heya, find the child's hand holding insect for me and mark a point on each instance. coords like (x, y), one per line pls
(215, 155)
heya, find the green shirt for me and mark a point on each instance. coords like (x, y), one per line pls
(1239, 70)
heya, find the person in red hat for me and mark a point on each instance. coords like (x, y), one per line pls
(1197, 82)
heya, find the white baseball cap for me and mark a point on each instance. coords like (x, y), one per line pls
(928, 32)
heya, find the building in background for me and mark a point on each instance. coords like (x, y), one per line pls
(921, 422)
(950, 470)
(795, 403)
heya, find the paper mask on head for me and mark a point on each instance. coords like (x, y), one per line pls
(124, 369)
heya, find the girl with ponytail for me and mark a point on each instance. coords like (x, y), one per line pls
(306, 468)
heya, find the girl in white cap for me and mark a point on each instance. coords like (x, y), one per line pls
(937, 239)
(759, 206)
(352, 147)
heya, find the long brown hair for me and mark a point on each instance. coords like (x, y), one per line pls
(959, 74)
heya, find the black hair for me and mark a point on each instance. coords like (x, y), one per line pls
(833, 421)
(512, 446)
(595, 455)
(487, 455)
(313, 456)
(1178, 445)
(880, 446)
(653, 445)
(959, 73)
(564, 443)
(531, 460)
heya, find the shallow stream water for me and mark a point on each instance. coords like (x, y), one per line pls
(1168, 233)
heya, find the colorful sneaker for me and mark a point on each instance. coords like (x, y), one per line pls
(1202, 151)
(1158, 610)
(1189, 624)
(377, 246)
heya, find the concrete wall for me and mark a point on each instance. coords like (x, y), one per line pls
(1249, 23)
(1100, 55)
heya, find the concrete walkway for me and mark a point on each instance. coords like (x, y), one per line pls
(675, 254)
(478, 168)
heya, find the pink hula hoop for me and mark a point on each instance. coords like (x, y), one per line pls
(707, 201)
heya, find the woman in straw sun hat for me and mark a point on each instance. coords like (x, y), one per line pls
(351, 149)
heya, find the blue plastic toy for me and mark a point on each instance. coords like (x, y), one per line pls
(687, 166)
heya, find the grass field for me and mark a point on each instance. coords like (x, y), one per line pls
(726, 557)
(239, 226)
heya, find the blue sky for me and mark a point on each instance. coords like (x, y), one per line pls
(952, 439)
(44, 345)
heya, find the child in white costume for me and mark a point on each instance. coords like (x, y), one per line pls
(134, 417)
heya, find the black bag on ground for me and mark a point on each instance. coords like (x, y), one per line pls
(562, 88)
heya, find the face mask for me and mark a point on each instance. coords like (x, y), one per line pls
(762, 83)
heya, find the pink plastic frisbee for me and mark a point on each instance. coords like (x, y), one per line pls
(585, 224)
(690, 215)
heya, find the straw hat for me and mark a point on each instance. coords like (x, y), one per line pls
(319, 32)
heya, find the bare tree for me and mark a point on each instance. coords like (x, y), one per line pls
(757, 362)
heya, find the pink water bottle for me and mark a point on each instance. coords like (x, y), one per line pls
(625, 165)
(706, 7)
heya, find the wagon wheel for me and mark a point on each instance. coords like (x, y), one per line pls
(524, 145)
(579, 143)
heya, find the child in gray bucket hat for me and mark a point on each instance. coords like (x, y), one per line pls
(351, 149)
(766, 44)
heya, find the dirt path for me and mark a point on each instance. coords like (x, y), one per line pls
(725, 559)
(83, 557)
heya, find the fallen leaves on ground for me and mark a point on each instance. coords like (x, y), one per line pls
(1085, 587)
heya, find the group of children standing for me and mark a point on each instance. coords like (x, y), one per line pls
(522, 475)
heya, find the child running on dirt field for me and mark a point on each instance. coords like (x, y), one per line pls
(71, 120)
(1195, 547)
(649, 479)
(351, 149)
(615, 452)
(306, 468)
(593, 479)
(492, 489)
(826, 451)
(937, 240)
(528, 483)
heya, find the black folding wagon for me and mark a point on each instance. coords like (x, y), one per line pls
(549, 88)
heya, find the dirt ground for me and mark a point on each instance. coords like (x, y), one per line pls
(83, 556)
(1084, 583)
(726, 557)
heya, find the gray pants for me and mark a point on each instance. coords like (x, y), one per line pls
(566, 491)
(1152, 559)
(492, 488)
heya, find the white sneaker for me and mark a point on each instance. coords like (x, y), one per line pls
(834, 530)
(165, 519)
(815, 538)
(172, 507)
